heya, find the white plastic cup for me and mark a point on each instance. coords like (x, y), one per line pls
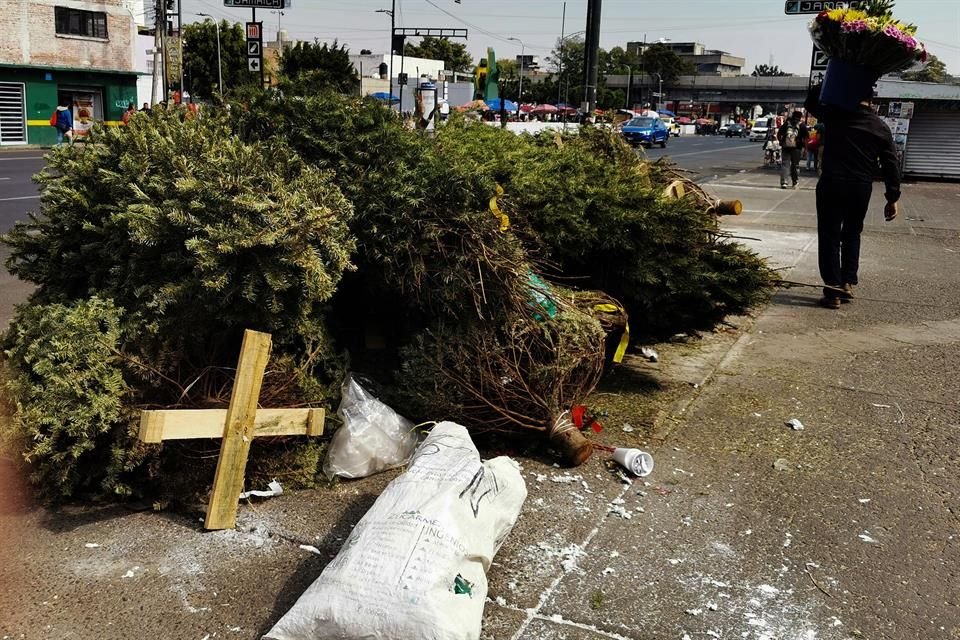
(637, 462)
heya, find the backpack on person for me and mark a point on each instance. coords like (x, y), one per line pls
(790, 136)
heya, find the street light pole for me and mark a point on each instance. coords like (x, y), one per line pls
(560, 82)
(523, 50)
(629, 82)
(219, 64)
(660, 92)
(280, 14)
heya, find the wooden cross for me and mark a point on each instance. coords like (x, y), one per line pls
(237, 425)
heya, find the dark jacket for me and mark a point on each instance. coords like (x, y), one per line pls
(853, 145)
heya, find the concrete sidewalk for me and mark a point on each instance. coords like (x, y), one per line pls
(746, 529)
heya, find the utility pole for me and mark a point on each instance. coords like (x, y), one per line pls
(591, 56)
(180, 42)
(157, 21)
(163, 47)
(563, 24)
(393, 28)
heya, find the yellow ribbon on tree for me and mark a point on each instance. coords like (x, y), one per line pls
(504, 218)
(625, 338)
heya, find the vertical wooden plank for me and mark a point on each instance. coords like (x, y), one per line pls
(315, 422)
(151, 427)
(238, 431)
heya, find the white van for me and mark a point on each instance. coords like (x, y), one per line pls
(760, 128)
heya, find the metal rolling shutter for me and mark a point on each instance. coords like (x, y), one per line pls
(933, 146)
(13, 125)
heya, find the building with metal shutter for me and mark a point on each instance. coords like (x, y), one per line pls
(13, 113)
(932, 145)
(72, 53)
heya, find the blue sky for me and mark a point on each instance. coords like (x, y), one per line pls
(755, 29)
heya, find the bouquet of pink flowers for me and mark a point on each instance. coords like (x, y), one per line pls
(870, 37)
(862, 45)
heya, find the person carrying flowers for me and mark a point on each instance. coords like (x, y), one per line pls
(862, 45)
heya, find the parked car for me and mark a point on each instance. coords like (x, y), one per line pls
(645, 131)
(736, 130)
(760, 128)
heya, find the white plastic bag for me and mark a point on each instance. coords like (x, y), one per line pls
(373, 436)
(415, 565)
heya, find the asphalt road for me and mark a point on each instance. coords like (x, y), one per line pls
(18, 193)
(711, 157)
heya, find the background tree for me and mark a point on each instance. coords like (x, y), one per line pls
(658, 58)
(510, 79)
(200, 58)
(566, 62)
(934, 71)
(454, 54)
(763, 70)
(309, 67)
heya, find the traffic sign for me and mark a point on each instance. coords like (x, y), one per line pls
(799, 7)
(255, 47)
(257, 4)
(816, 76)
(820, 58)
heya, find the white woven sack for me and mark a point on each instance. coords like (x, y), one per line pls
(415, 565)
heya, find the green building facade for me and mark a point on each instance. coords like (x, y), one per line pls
(30, 94)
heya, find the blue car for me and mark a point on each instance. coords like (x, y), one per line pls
(648, 131)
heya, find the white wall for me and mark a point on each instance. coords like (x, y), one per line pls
(368, 65)
(143, 64)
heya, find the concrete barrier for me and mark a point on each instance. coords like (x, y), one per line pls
(538, 127)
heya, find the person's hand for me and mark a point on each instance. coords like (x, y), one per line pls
(890, 211)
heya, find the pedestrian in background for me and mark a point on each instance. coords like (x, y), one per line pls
(813, 148)
(62, 120)
(131, 109)
(792, 136)
(859, 140)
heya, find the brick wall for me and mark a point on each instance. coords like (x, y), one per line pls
(36, 41)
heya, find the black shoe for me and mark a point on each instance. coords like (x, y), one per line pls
(829, 302)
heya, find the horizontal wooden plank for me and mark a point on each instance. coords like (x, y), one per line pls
(185, 424)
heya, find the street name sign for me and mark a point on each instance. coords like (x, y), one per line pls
(799, 7)
(257, 4)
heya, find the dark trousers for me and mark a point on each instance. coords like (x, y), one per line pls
(841, 209)
(791, 166)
